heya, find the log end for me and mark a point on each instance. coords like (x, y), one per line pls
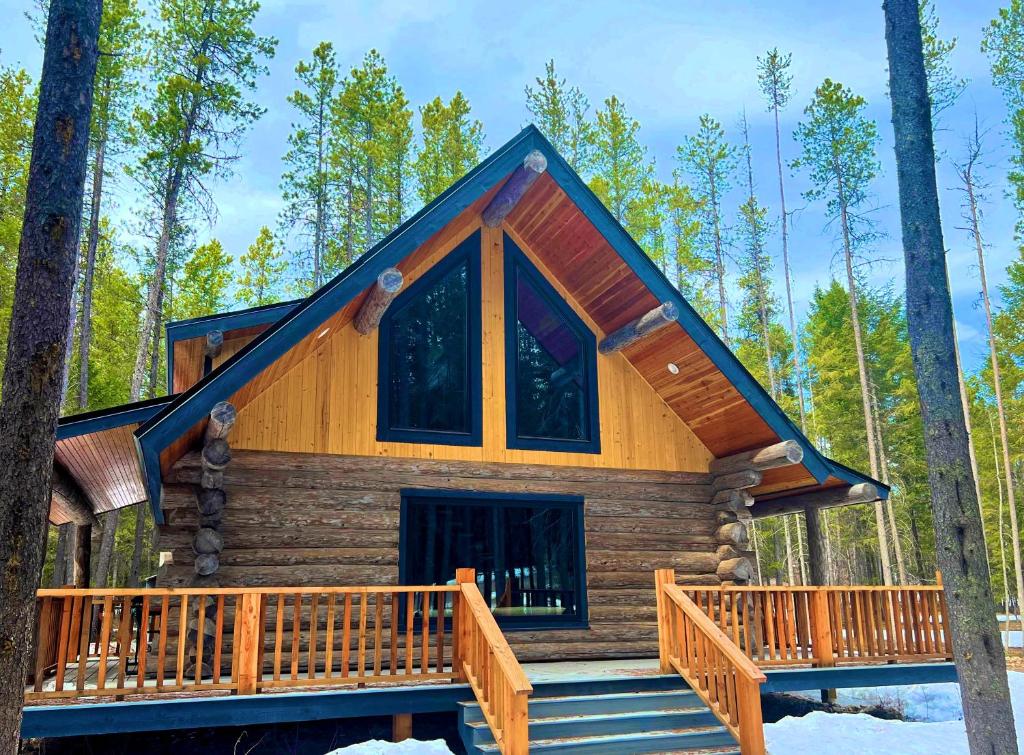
(535, 162)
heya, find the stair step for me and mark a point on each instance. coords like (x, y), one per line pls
(615, 723)
(711, 738)
(582, 705)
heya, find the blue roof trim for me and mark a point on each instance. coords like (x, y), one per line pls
(659, 285)
(192, 406)
(106, 419)
(183, 330)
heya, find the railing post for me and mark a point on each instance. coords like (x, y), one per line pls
(248, 642)
(663, 577)
(460, 627)
(516, 734)
(751, 724)
(821, 637)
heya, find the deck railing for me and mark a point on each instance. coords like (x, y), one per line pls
(490, 667)
(826, 626)
(690, 643)
(120, 642)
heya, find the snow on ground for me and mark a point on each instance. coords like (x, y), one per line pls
(405, 747)
(937, 726)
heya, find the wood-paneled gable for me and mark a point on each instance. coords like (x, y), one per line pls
(325, 402)
(555, 230)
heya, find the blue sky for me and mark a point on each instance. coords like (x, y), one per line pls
(670, 62)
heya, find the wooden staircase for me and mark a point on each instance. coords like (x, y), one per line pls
(610, 716)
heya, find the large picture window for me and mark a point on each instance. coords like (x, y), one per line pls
(527, 551)
(429, 380)
(551, 365)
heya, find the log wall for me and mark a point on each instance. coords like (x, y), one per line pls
(307, 520)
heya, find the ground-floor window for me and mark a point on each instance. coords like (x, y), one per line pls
(527, 551)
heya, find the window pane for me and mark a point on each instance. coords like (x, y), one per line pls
(428, 356)
(550, 383)
(525, 556)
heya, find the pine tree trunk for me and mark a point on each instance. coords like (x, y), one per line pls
(154, 353)
(997, 384)
(59, 578)
(862, 370)
(790, 571)
(39, 326)
(977, 650)
(101, 571)
(140, 544)
(883, 463)
(89, 273)
(1002, 535)
(719, 256)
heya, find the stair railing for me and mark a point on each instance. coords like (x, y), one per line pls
(717, 670)
(483, 658)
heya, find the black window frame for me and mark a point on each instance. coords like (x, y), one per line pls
(516, 263)
(467, 252)
(572, 503)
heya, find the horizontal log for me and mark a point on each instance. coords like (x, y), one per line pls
(386, 466)
(783, 454)
(222, 419)
(213, 344)
(508, 196)
(383, 292)
(735, 570)
(734, 499)
(745, 478)
(207, 541)
(216, 454)
(262, 536)
(734, 533)
(643, 326)
(863, 492)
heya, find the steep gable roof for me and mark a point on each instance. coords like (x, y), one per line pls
(162, 434)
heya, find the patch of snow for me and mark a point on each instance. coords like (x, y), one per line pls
(938, 726)
(405, 747)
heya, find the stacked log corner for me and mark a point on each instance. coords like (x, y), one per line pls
(208, 541)
(733, 477)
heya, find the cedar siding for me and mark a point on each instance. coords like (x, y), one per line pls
(305, 520)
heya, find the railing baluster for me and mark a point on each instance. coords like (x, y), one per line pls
(62, 642)
(361, 660)
(314, 620)
(200, 637)
(182, 640)
(378, 631)
(105, 623)
(218, 639)
(296, 633)
(395, 604)
(329, 638)
(409, 613)
(346, 636)
(142, 644)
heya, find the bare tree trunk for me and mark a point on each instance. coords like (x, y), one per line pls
(862, 370)
(37, 339)
(1002, 535)
(154, 353)
(723, 303)
(790, 571)
(59, 577)
(977, 650)
(883, 462)
(101, 571)
(140, 532)
(967, 175)
(92, 244)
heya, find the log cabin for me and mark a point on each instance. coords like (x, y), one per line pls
(504, 394)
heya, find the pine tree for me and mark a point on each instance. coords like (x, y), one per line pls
(1003, 42)
(692, 273)
(710, 161)
(973, 190)
(202, 288)
(370, 150)
(17, 113)
(263, 268)
(977, 650)
(452, 143)
(120, 39)
(40, 319)
(307, 184)
(838, 153)
(622, 177)
(944, 86)
(207, 58)
(561, 113)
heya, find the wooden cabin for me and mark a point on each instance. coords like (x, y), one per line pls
(505, 383)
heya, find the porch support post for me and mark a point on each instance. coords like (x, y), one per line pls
(401, 727)
(83, 555)
(460, 626)
(663, 577)
(817, 553)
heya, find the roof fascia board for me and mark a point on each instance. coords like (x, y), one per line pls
(658, 284)
(194, 404)
(196, 327)
(107, 419)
